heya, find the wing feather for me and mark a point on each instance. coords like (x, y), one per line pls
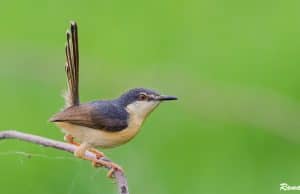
(102, 116)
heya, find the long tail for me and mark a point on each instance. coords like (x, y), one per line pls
(72, 66)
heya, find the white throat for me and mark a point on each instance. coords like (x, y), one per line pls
(142, 109)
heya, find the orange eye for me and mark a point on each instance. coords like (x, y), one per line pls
(143, 97)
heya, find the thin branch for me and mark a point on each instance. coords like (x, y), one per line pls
(11, 134)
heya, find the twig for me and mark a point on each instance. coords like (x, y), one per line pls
(11, 134)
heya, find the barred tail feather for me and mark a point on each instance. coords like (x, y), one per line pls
(72, 67)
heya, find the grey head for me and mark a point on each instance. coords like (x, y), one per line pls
(141, 101)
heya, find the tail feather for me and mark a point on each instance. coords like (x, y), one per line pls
(72, 66)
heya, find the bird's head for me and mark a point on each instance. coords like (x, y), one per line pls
(141, 101)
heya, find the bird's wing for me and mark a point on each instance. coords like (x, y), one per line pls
(104, 116)
(72, 66)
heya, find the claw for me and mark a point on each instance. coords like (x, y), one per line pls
(97, 153)
(96, 164)
(110, 173)
(114, 167)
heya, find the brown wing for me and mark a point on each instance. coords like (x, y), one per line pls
(102, 116)
(72, 66)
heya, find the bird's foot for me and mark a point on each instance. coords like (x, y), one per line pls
(80, 153)
(113, 167)
(98, 153)
(70, 139)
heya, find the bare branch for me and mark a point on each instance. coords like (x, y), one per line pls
(11, 134)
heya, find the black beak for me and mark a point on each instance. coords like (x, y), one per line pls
(164, 98)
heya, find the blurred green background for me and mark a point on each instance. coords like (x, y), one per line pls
(233, 64)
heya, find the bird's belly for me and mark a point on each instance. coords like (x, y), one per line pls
(98, 137)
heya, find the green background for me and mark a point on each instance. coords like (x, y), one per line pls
(233, 64)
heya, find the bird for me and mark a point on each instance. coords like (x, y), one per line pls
(100, 123)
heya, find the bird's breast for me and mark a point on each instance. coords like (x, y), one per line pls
(125, 135)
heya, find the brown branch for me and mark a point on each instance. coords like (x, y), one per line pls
(11, 134)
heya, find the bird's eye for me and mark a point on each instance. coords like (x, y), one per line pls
(143, 97)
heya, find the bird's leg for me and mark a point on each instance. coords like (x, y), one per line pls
(70, 139)
(80, 153)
